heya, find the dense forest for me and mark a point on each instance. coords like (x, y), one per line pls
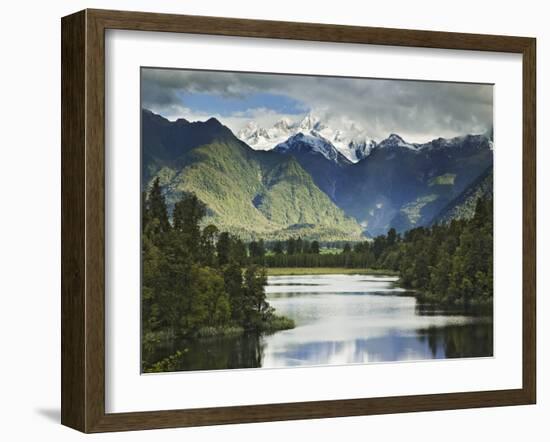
(193, 283)
(449, 264)
(199, 282)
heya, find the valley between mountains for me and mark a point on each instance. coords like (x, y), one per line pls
(310, 181)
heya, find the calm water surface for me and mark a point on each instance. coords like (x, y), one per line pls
(343, 319)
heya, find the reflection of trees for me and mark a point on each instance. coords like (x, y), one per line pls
(459, 341)
(246, 351)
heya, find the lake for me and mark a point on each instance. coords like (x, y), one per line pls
(345, 319)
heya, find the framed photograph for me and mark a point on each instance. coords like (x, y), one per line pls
(269, 220)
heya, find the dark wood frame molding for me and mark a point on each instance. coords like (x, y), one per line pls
(83, 216)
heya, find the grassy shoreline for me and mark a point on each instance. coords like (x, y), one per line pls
(273, 324)
(296, 271)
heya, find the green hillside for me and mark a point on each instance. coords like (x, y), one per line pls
(252, 193)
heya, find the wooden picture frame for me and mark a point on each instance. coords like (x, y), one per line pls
(83, 220)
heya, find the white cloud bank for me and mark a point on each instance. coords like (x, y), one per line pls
(417, 110)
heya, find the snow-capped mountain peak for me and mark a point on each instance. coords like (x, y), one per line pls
(479, 141)
(260, 138)
(316, 144)
(284, 124)
(360, 149)
(310, 122)
(350, 141)
(395, 140)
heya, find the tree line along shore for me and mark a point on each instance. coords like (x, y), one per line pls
(199, 282)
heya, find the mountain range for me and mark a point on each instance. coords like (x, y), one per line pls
(402, 185)
(247, 192)
(352, 141)
(309, 180)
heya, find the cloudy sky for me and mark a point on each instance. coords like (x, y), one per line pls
(418, 111)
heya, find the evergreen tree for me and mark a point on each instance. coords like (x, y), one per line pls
(299, 246)
(208, 245)
(188, 212)
(233, 280)
(156, 208)
(315, 247)
(391, 238)
(256, 249)
(290, 246)
(208, 302)
(223, 248)
(238, 251)
(278, 248)
(257, 308)
(378, 246)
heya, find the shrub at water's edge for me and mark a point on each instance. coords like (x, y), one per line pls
(277, 323)
(299, 271)
(271, 323)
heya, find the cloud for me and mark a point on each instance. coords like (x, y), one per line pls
(417, 110)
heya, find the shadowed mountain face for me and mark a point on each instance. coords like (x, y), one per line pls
(319, 158)
(405, 186)
(305, 186)
(165, 142)
(464, 205)
(352, 142)
(249, 193)
(399, 184)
